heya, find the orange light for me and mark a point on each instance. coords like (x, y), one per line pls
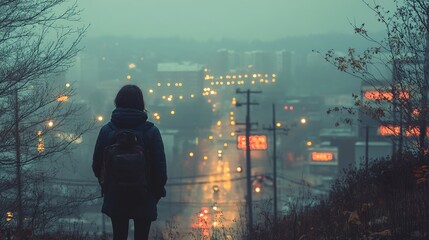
(257, 142)
(239, 169)
(415, 131)
(322, 156)
(63, 98)
(40, 146)
(257, 189)
(384, 95)
(404, 95)
(389, 130)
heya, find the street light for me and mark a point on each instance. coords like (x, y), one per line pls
(62, 98)
(9, 216)
(40, 143)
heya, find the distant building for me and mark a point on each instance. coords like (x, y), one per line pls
(285, 65)
(263, 61)
(285, 62)
(180, 78)
(85, 75)
(225, 61)
(86, 69)
(376, 96)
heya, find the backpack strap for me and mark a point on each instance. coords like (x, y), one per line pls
(111, 133)
(142, 130)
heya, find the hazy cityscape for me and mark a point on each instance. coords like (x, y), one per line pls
(309, 106)
(192, 99)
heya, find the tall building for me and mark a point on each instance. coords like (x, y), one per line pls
(225, 61)
(263, 62)
(285, 62)
(285, 68)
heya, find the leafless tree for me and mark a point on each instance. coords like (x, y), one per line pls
(40, 116)
(399, 96)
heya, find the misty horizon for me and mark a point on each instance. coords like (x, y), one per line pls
(250, 20)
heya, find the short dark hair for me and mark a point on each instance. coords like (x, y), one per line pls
(130, 96)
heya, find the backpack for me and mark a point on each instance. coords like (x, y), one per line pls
(125, 169)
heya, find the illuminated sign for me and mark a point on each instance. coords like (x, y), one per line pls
(384, 95)
(257, 142)
(322, 156)
(391, 130)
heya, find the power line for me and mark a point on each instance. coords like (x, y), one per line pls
(89, 183)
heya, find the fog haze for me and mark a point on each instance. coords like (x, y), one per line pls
(224, 19)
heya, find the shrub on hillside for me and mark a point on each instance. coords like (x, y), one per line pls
(389, 200)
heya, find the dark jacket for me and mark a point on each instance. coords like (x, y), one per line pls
(141, 209)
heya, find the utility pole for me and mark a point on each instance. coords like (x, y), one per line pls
(273, 128)
(366, 147)
(248, 162)
(274, 163)
(424, 98)
(18, 165)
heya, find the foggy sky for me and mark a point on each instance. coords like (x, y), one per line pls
(224, 19)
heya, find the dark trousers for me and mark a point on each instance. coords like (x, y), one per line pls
(120, 228)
